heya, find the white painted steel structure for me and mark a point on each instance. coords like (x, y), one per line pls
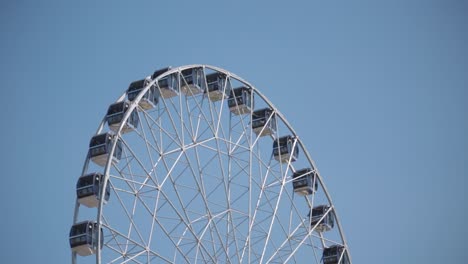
(195, 184)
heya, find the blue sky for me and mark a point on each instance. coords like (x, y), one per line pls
(377, 90)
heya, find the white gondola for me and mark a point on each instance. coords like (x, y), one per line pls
(191, 81)
(168, 86)
(84, 238)
(264, 122)
(285, 149)
(240, 101)
(115, 115)
(335, 254)
(149, 100)
(304, 182)
(89, 190)
(100, 146)
(322, 218)
(217, 86)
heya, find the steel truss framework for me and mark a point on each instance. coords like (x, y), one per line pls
(195, 184)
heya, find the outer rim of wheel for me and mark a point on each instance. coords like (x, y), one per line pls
(133, 106)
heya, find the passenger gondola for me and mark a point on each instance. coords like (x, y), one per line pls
(264, 122)
(322, 218)
(167, 86)
(285, 149)
(149, 100)
(218, 87)
(304, 182)
(100, 146)
(335, 254)
(89, 190)
(191, 81)
(240, 100)
(115, 115)
(84, 238)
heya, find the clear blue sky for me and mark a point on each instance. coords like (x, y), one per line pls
(377, 90)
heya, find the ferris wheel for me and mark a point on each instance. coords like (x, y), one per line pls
(194, 165)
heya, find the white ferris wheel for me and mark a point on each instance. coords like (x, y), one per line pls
(194, 165)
